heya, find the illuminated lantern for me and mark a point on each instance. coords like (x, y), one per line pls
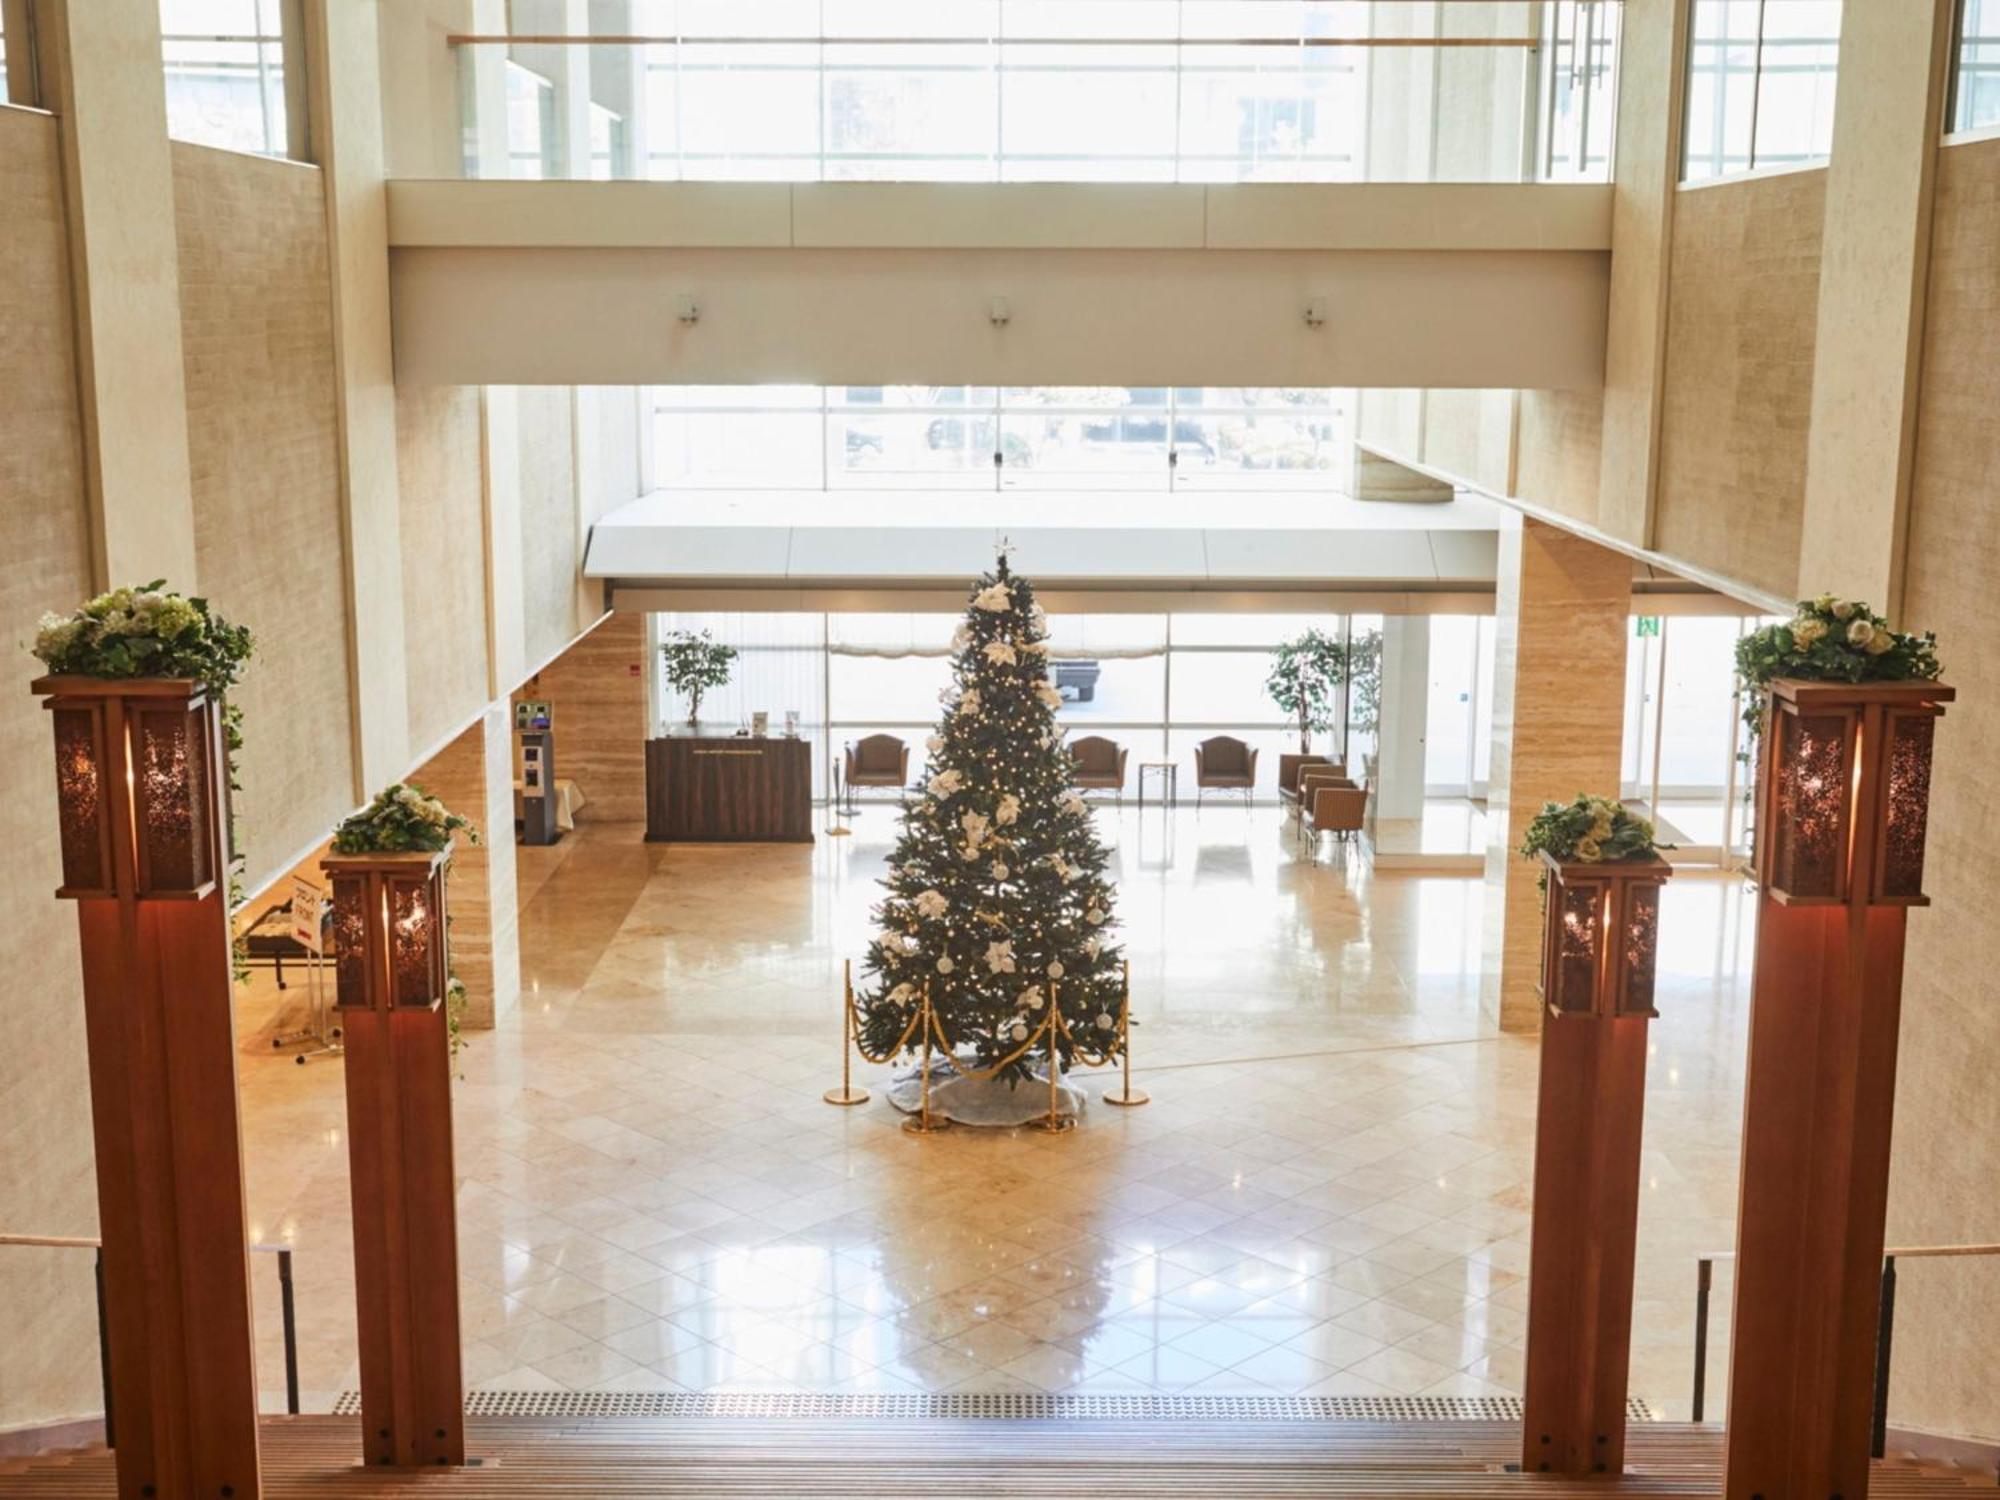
(1600, 941)
(390, 975)
(141, 821)
(389, 929)
(1600, 946)
(137, 798)
(1847, 773)
(1843, 803)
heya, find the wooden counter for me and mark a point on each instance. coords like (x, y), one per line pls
(705, 789)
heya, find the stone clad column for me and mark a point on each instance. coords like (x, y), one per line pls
(1558, 717)
(474, 775)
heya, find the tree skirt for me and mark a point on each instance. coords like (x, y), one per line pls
(993, 1101)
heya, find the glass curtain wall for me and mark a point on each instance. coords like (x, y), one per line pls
(1760, 85)
(225, 64)
(1158, 684)
(987, 438)
(1458, 721)
(1686, 753)
(1103, 90)
(1975, 95)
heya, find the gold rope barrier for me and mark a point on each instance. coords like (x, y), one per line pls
(926, 1020)
(847, 1093)
(1130, 1095)
(923, 1122)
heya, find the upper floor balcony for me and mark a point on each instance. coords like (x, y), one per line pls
(1131, 91)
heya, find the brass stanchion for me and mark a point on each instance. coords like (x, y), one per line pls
(924, 1122)
(847, 1093)
(1130, 1096)
(1055, 1122)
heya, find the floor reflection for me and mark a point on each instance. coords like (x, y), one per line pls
(1329, 1193)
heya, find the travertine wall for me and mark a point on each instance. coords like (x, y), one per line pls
(49, 1369)
(1559, 611)
(1946, 1158)
(1741, 322)
(444, 565)
(474, 776)
(257, 335)
(596, 692)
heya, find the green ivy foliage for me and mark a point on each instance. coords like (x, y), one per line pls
(1830, 640)
(1590, 829)
(402, 819)
(148, 631)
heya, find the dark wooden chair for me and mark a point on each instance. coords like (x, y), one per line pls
(1291, 767)
(1099, 765)
(1224, 763)
(878, 760)
(1311, 780)
(1338, 810)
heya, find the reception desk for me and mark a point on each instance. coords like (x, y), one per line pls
(707, 789)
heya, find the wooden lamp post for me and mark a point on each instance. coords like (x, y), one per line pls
(1600, 943)
(390, 968)
(1842, 803)
(139, 785)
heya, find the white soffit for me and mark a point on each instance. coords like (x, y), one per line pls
(1117, 539)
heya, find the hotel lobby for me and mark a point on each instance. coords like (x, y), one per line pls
(1162, 746)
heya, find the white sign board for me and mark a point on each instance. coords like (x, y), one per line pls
(307, 903)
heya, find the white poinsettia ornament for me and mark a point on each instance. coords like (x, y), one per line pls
(1008, 810)
(993, 599)
(1001, 653)
(932, 904)
(1000, 957)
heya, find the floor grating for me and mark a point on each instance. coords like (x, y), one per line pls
(997, 1406)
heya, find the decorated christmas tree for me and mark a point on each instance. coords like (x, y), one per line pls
(997, 898)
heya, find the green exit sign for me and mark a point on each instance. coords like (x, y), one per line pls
(1647, 625)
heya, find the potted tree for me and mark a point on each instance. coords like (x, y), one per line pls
(695, 662)
(1306, 674)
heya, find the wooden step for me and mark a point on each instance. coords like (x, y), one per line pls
(529, 1458)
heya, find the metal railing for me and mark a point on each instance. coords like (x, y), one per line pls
(289, 1315)
(1885, 1325)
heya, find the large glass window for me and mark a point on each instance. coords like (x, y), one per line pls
(979, 437)
(225, 64)
(1103, 90)
(1579, 63)
(1760, 85)
(1458, 720)
(1157, 684)
(1975, 97)
(1685, 761)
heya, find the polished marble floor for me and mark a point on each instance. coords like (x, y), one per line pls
(1328, 1194)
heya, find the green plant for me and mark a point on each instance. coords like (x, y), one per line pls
(1364, 671)
(1306, 674)
(695, 662)
(400, 820)
(151, 631)
(1830, 640)
(1593, 830)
